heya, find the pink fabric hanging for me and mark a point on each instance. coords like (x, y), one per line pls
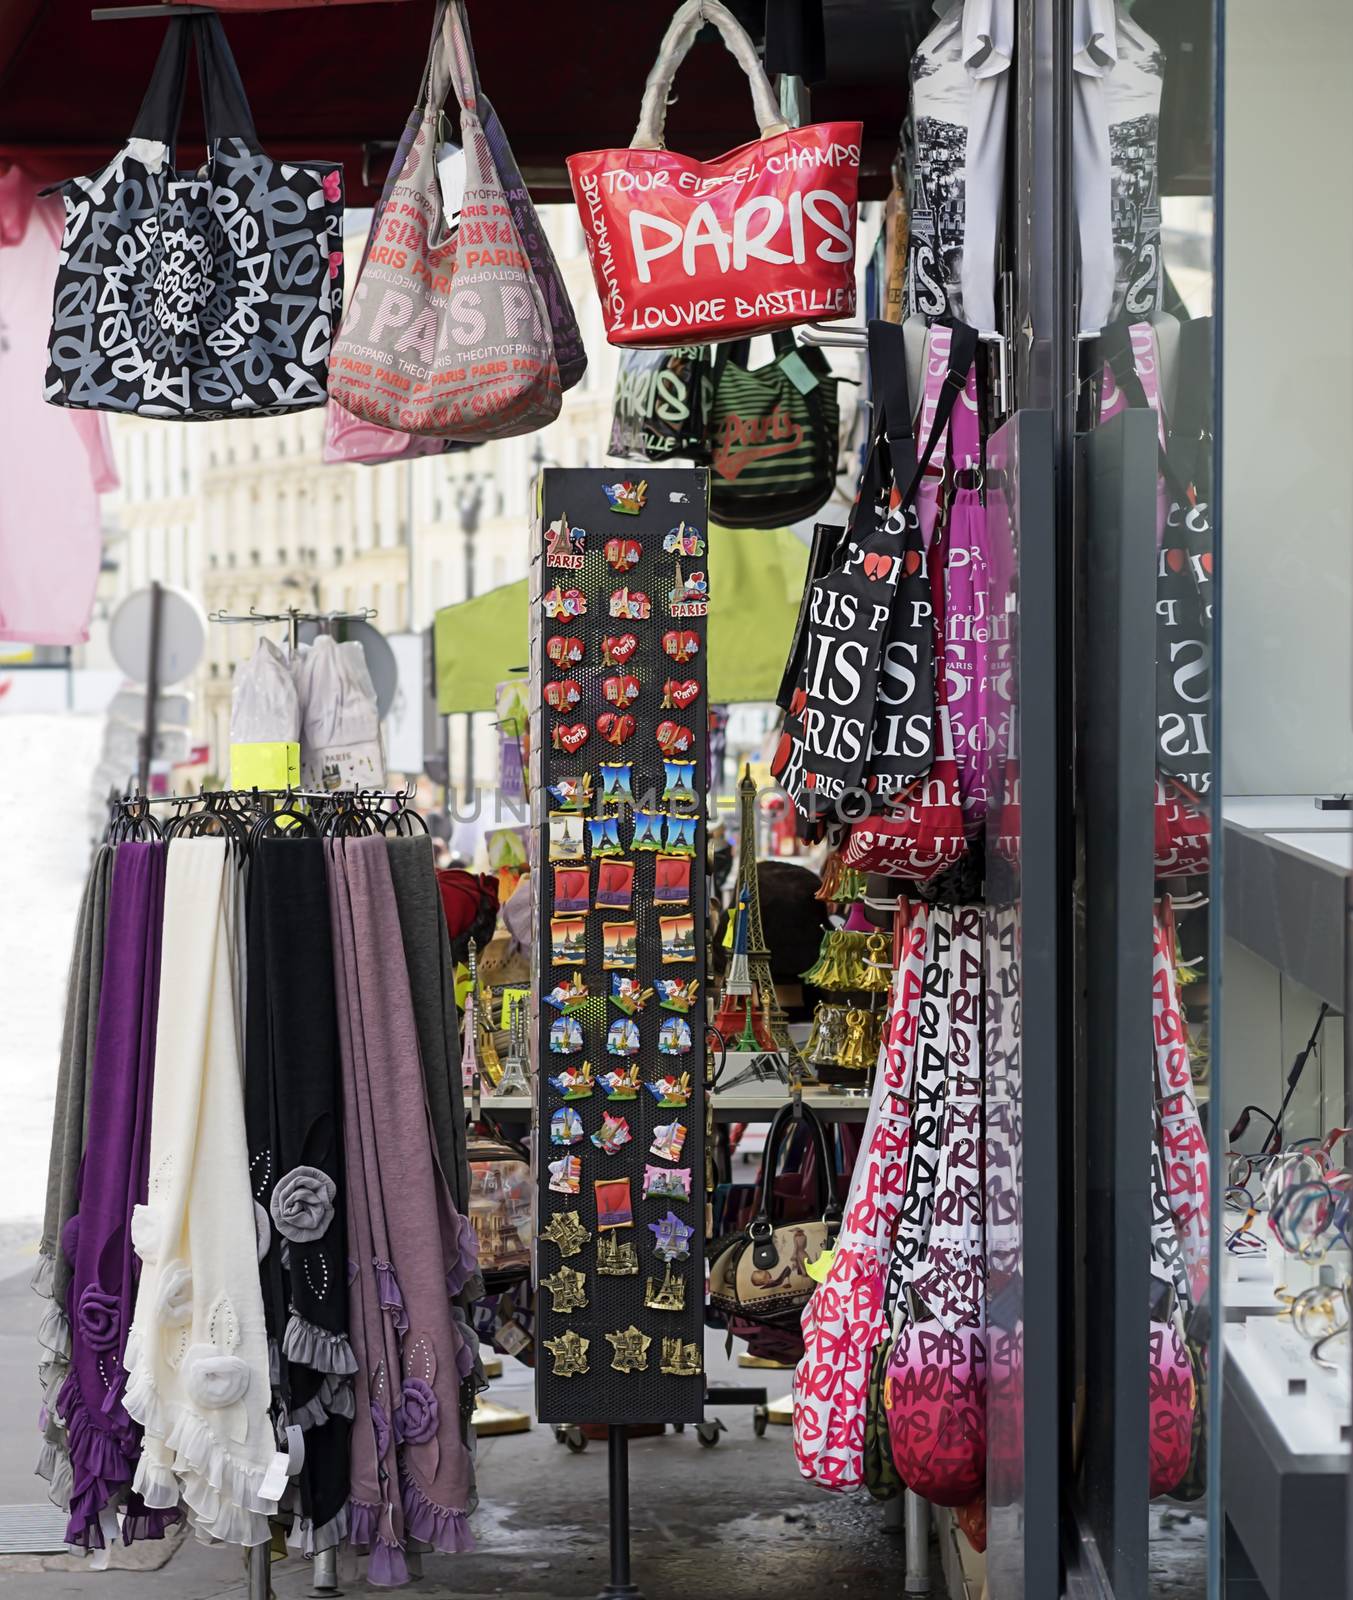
(54, 464)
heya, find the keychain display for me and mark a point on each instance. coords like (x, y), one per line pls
(621, 588)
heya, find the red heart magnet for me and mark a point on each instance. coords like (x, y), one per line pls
(681, 646)
(563, 651)
(673, 739)
(677, 694)
(570, 737)
(616, 649)
(563, 695)
(621, 691)
(622, 554)
(614, 729)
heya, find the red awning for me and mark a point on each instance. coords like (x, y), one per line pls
(327, 82)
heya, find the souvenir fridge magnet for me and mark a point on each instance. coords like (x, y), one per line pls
(680, 1360)
(626, 496)
(689, 596)
(613, 1134)
(677, 994)
(574, 1083)
(681, 644)
(572, 794)
(622, 1037)
(684, 540)
(669, 1294)
(616, 1257)
(571, 890)
(562, 694)
(566, 1127)
(678, 937)
(679, 694)
(678, 781)
(560, 603)
(671, 881)
(621, 1083)
(629, 1349)
(648, 830)
(570, 1354)
(674, 1037)
(680, 839)
(667, 1183)
(615, 1209)
(568, 1290)
(615, 726)
(623, 554)
(568, 942)
(565, 1228)
(671, 1237)
(620, 944)
(564, 546)
(620, 689)
(563, 651)
(628, 994)
(569, 737)
(566, 1036)
(566, 1175)
(617, 786)
(568, 995)
(615, 885)
(616, 649)
(672, 1093)
(566, 839)
(674, 739)
(604, 836)
(631, 605)
(668, 1139)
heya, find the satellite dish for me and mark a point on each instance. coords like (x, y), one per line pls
(380, 657)
(183, 635)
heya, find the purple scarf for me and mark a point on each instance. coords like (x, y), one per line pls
(105, 1444)
(411, 1470)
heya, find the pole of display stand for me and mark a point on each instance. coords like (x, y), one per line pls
(260, 1560)
(147, 751)
(324, 1572)
(620, 1587)
(917, 1515)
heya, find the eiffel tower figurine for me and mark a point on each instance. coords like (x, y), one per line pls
(764, 1028)
(514, 1079)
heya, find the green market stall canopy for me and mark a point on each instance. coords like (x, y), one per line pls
(755, 580)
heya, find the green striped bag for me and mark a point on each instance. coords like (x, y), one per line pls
(772, 436)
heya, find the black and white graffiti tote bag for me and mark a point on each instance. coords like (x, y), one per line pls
(197, 294)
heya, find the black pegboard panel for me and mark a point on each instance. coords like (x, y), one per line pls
(674, 496)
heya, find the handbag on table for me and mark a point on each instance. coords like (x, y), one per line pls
(758, 239)
(198, 294)
(773, 435)
(759, 1273)
(448, 334)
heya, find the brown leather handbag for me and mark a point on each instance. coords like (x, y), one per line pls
(759, 1273)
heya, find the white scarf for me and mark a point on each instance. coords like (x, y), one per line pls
(197, 1355)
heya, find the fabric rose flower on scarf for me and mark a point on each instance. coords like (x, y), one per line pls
(215, 1379)
(98, 1317)
(175, 1297)
(416, 1414)
(146, 1231)
(262, 1230)
(303, 1204)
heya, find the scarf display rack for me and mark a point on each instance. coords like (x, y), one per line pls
(191, 1349)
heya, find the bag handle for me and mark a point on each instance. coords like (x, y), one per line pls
(451, 63)
(680, 35)
(1114, 345)
(761, 1226)
(225, 106)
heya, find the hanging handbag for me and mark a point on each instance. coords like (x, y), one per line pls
(662, 401)
(830, 739)
(502, 1209)
(760, 1272)
(773, 435)
(201, 294)
(758, 239)
(448, 334)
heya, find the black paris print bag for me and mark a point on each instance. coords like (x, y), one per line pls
(201, 293)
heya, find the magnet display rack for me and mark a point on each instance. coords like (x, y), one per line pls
(674, 504)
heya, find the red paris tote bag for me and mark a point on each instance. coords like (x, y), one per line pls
(762, 238)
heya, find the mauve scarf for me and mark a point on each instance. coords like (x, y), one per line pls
(105, 1444)
(412, 1471)
(292, 1095)
(51, 1277)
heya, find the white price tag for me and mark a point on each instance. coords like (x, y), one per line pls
(275, 1478)
(451, 180)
